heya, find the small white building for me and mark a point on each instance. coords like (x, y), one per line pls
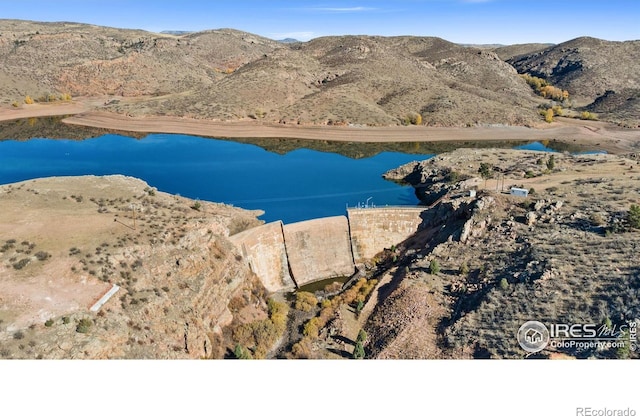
(520, 192)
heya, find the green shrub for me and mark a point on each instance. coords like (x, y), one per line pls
(633, 216)
(504, 284)
(624, 351)
(362, 336)
(453, 176)
(551, 162)
(485, 170)
(20, 264)
(241, 353)
(358, 351)
(83, 325)
(42, 255)
(434, 267)
(278, 313)
(48, 322)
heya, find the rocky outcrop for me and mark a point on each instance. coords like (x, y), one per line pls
(562, 254)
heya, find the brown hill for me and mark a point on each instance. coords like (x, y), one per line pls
(42, 58)
(369, 80)
(622, 106)
(227, 74)
(587, 68)
(512, 51)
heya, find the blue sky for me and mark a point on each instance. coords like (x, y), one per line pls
(463, 21)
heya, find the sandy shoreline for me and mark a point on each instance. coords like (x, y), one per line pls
(603, 135)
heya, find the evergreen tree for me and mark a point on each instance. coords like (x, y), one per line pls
(358, 351)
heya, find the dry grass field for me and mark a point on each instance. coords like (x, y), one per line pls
(66, 241)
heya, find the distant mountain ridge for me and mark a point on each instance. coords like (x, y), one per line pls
(288, 40)
(227, 74)
(176, 32)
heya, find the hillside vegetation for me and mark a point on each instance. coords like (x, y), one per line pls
(599, 74)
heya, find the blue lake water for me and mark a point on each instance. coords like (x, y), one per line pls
(540, 147)
(299, 185)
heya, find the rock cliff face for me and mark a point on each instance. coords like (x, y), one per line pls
(176, 268)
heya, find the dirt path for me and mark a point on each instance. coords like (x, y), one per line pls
(608, 137)
(61, 108)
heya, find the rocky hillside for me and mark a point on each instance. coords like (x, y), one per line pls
(43, 58)
(67, 241)
(226, 74)
(593, 71)
(565, 254)
(509, 52)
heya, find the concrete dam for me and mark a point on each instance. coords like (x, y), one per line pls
(286, 256)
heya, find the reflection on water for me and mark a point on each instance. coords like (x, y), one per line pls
(557, 146)
(299, 185)
(53, 128)
(289, 179)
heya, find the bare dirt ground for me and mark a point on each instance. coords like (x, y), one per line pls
(76, 106)
(45, 288)
(87, 112)
(606, 136)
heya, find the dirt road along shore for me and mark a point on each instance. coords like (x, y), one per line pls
(602, 135)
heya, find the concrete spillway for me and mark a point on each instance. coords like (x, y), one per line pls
(374, 229)
(263, 248)
(319, 248)
(286, 256)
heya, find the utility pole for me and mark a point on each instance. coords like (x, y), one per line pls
(133, 209)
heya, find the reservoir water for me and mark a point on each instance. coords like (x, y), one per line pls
(298, 185)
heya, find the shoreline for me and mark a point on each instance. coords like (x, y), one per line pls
(600, 135)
